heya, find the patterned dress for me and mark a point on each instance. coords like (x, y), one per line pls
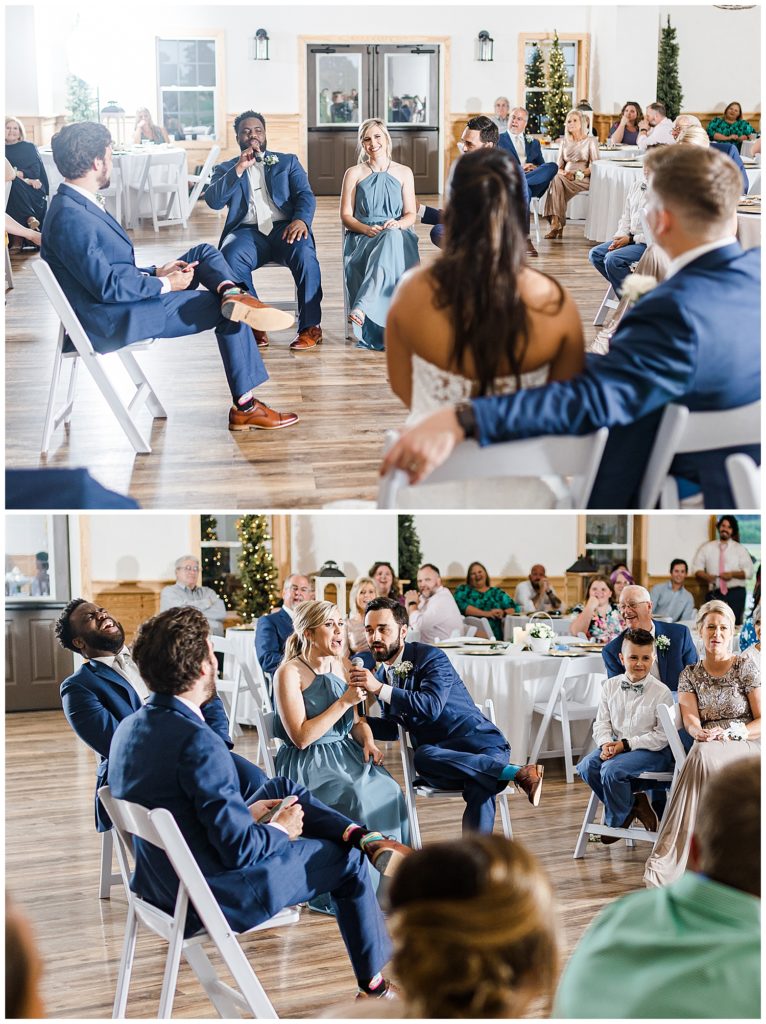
(486, 601)
(720, 126)
(605, 627)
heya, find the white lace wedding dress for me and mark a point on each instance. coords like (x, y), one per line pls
(433, 388)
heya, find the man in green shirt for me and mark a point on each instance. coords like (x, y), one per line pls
(692, 948)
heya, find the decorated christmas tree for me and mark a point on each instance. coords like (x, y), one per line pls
(257, 571)
(669, 89)
(535, 79)
(215, 565)
(80, 102)
(410, 552)
(556, 99)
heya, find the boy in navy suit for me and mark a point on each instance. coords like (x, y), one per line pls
(271, 207)
(456, 746)
(118, 303)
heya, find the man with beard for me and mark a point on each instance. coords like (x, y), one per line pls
(165, 756)
(118, 303)
(456, 746)
(271, 207)
(725, 566)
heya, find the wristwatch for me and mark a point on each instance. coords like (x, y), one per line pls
(466, 418)
(626, 745)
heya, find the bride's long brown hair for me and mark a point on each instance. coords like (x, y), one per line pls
(477, 275)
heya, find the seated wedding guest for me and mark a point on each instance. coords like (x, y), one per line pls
(118, 303)
(725, 565)
(185, 592)
(658, 354)
(377, 208)
(747, 633)
(23, 967)
(456, 746)
(502, 110)
(473, 925)
(675, 646)
(620, 578)
(629, 737)
(625, 131)
(577, 153)
(363, 591)
(514, 140)
(693, 134)
(720, 701)
(733, 153)
(27, 201)
(732, 127)
(478, 597)
(108, 687)
(12, 227)
(692, 948)
(672, 600)
(146, 129)
(431, 608)
(655, 128)
(599, 619)
(272, 630)
(614, 259)
(684, 121)
(270, 210)
(253, 869)
(384, 577)
(327, 745)
(535, 594)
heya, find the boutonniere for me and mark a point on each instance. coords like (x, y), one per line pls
(271, 158)
(737, 731)
(635, 286)
(663, 644)
(403, 669)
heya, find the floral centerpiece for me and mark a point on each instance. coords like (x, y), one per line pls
(541, 636)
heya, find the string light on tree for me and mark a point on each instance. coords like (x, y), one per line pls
(535, 79)
(257, 570)
(557, 99)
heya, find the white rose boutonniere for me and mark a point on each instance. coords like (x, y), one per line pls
(635, 286)
(663, 644)
(271, 158)
(403, 669)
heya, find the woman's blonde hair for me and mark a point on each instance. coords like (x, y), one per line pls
(693, 135)
(358, 583)
(19, 125)
(711, 607)
(474, 930)
(307, 615)
(363, 129)
(582, 120)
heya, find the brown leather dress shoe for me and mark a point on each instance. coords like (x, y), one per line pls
(307, 339)
(244, 308)
(608, 840)
(261, 338)
(260, 417)
(645, 813)
(529, 780)
(386, 854)
(531, 251)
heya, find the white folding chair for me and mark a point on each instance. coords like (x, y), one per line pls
(681, 431)
(672, 722)
(348, 332)
(198, 181)
(481, 627)
(115, 191)
(561, 707)
(745, 479)
(84, 352)
(534, 209)
(8, 268)
(590, 827)
(574, 458)
(289, 305)
(240, 679)
(412, 635)
(414, 789)
(106, 877)
(610, 301)
(159, 828)
(163, 181)
(577, 208)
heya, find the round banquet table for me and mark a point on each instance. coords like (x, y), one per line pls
(747, 148)
(560, 625)
(551, 153)
(749, 229)
(244, 639)
(515, 681)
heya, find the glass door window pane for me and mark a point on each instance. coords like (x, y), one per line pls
(338, 88)
(29, 568)
(406, 88)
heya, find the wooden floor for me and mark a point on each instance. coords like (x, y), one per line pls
(52, 873)
(340, 392)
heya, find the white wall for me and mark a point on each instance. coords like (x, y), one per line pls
(354, 541)
(674, 536)
(137, 546)
(719, 58)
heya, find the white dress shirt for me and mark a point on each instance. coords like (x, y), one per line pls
(660, 135)
(128, 670)
(525, 595)
(694, 254)
(630, 221)
(520, 146)
(631, 715)
(261, 208)
(437, 616)
(735, 557)
(386, 689)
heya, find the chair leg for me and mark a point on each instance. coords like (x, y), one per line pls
(199, 962)
(58, 361)
(566, 735)
(246, 979)
(122, 414)
(126, 965)
(669, 494)
(139, 378)
(505, 815)
(545, 722)
(590, 816)
(170, 977)
(105, 874)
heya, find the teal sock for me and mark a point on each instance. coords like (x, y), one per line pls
(509, 773)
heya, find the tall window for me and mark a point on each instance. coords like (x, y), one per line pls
(534, 51)
(750, 536)
(609, 540)
(187, 77)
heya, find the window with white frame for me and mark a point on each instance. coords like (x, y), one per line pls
(187, 79)
(534, 51)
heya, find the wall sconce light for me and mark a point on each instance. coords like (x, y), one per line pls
(486, 46)
(261, 44)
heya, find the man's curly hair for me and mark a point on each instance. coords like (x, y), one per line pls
(63, 628)
(170, 650)
(244, 116)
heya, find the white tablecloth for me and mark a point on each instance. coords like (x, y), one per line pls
(749, 229)
(245, 642)
(559, 625)
(551, 153)
(747, 148)
(515, 681)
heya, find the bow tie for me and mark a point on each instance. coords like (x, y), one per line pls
(636, 687)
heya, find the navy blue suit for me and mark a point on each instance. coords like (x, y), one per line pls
(731, 151)
(164, 756)
(668, 348)
(456, 746)
(540, 178)
(59, 488)
(246, 249)
(271, 633)
(117, 302)
(670, 663)
(96, 699)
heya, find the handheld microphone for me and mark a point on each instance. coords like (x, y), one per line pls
(358, 663)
